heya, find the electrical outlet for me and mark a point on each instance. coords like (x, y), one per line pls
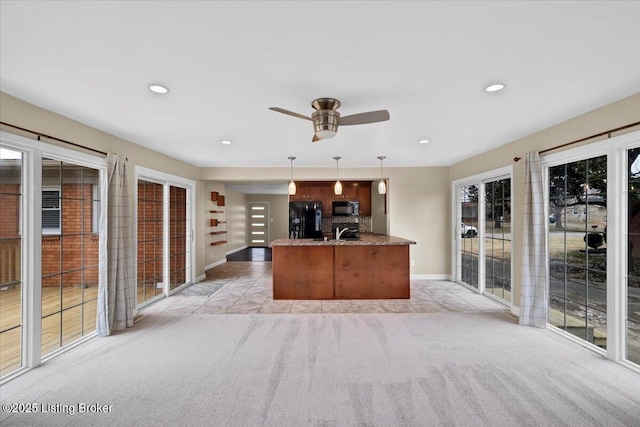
(413, 262)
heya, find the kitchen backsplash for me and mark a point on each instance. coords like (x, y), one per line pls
(365, 225)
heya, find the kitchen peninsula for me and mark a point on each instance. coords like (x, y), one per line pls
(371, 267)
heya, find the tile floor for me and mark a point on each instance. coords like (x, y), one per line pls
(245, 287)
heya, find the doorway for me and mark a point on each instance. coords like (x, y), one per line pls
(258, 224)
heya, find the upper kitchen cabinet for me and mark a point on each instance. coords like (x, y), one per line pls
(314, 192)
(356, 190)
(323, 191)
(307, 192)
(360, 191)
(364, 197)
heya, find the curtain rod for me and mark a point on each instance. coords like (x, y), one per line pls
(40, 134)
(608, 132)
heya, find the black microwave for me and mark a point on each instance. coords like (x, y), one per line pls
(345, 208)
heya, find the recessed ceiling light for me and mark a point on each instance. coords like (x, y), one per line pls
(494, 87)
(158, 88)
(226, 142)
(423, 141)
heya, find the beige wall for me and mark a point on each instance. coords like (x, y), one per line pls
(611, 116)
(236, 220)
(418, 209)
(378, 215)
(278, 213)
(212, 254)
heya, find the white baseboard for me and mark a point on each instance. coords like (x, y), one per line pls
(215, 264)
(430, 277)
(236, 250)
(576, 340)
(515, 310)
(200, 278)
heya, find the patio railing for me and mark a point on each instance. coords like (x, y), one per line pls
(10, 263)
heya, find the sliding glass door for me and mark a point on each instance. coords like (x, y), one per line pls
(179, 247)
(11, 284)
(70, 209)
(50, 244)
(150, 240)
(497, 238)
(483, 234)
(578, 248)
(633, 256)
(164, 234)
(593, 200)
(468, 239)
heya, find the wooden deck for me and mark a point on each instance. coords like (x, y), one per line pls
(77, 319)
(58, 328)
(578, 327)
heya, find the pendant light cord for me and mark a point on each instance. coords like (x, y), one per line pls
(336, 158)
(291, 159)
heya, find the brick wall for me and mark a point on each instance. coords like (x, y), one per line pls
(71, 258)
(177, 234)
(149, 232)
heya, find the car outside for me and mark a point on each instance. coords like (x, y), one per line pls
(468, 230)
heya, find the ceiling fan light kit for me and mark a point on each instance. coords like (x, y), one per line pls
(326, 119)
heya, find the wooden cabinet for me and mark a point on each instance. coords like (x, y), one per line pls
(323, 191)
(313, 192)
(364, 197)
(356, 190)
(307, 192)
(349, 191)
(341, 272)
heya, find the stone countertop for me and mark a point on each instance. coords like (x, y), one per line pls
(365, 240)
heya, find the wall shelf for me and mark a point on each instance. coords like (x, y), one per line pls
(214, 222)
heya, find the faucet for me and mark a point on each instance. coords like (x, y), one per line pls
(339, 232)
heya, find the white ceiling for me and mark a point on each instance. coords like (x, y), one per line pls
(227, 62)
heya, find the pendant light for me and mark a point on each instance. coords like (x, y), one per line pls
(292, 184)
(382, 186)
(337, 189)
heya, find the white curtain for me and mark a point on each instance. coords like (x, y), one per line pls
(116, 294)
(533, 296)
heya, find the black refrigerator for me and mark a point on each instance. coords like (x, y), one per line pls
(305, 220)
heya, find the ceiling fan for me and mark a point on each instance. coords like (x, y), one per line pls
(326, 118)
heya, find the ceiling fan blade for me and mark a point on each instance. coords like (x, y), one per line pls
(290, 113)
(315, 138)
(364, 118)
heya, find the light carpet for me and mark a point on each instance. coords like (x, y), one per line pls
(437, 369)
